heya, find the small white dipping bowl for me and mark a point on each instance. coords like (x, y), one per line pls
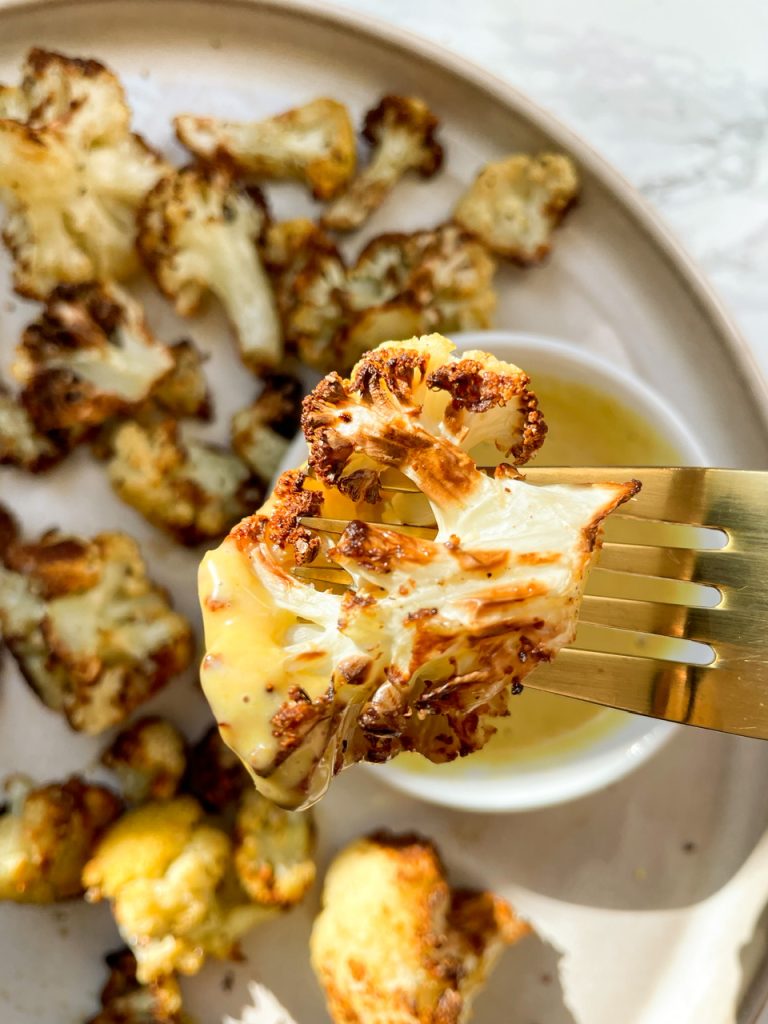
(527, 784)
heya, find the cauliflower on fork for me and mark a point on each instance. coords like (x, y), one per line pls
(421, 649)
(314, 143)
(199, 232)
(72, 174)
(92, 635)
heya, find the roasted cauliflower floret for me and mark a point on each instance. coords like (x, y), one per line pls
(89, 356)
(199, 233)
(215, 775)
(393, 941)
(273, 855)
(400, 285)
(21, 444)
(190, 489)
(515, 204)
(184, 390)
(149, 759)
(124, 1000)
(72, 174)
(421, 650)
(402, 131)
(314, 143)
(170, 881)
(47, 833)
(91, 633)
(262, 432)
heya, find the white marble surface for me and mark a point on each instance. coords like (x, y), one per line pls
(673, 92)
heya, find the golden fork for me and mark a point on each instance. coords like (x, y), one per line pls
(674, 622)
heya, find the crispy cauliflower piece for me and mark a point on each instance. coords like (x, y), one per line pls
(215, 775)
(199, 233)
(314, 143)
(402, 131)
(515, 204)
(21, 444)
(174, 896)
(72, 174)
(190, 489)
(262, 432)
(89, 356)
(92, 635)
(273, 856)
(47, 833)
(184, 390)
(420, 651)
(394, 942)
(149, 759)
(124, 1000)
(400, 286)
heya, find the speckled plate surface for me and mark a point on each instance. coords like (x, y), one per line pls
(646, 895)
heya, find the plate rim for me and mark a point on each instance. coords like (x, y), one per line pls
(645, 216)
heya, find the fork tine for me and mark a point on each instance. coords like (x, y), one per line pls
(710, 697)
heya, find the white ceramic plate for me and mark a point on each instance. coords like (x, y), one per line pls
(628, 910)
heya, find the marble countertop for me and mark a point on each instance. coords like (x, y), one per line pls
(675, 95)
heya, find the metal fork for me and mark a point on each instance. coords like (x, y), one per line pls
(674, 622)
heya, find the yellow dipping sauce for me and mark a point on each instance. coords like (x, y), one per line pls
(586, 428)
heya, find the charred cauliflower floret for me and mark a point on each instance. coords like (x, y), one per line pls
(124, 1000)
(400, 285)
(190, 489)
(515, 204)
(149, 759)
(89, 356)
(47, 833)
(174, 894)
(262, 432)
(402, 131)
(273, 856)
(420, 651)
(394, 942)
(215, 775)
(21, 444)
(184, 390)
(314, 143)
(199, 233)
(72, 174)
(92, 635)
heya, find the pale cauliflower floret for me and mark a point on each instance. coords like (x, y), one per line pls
(72, 174)
(515, 204)
(402, 131)
(169, 878)
(199, 233)
(89, 356)
(421, 650)
(21, 444)
(264, 1008)
(124, 1000)
(190, 489)
(314, 143)
(92, 635)
(262, 432)
(393, 941)
(400, 285)
(149, 759)
(273, 857)
(47, 833)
